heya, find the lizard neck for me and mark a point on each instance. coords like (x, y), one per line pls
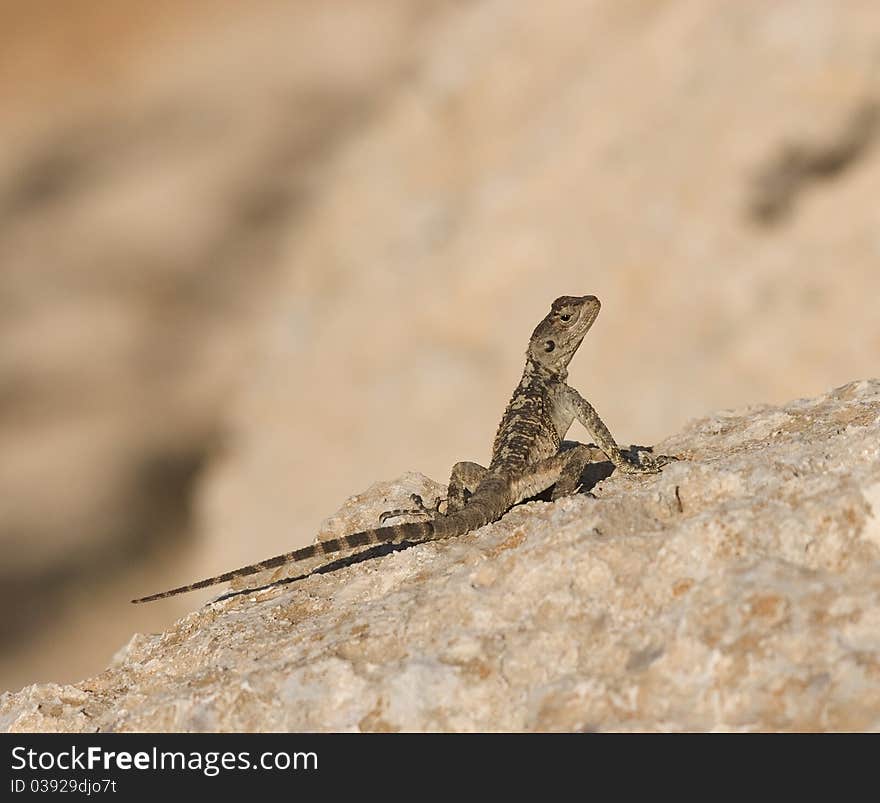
(534, 371)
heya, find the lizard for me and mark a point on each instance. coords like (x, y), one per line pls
(527, 456)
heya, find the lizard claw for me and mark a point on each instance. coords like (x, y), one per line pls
(641, 468)
(418, 510)
(647, 463)
(657, 460)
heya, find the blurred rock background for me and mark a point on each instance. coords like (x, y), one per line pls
(255, 257)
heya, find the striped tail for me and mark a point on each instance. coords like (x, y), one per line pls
(411, 531)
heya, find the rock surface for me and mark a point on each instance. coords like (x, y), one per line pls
(737, 590)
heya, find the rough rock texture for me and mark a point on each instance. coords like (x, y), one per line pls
(739, 589)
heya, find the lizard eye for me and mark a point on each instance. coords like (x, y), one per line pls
(549, 346)
(565, 317)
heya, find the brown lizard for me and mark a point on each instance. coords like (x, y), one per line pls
(526, 456)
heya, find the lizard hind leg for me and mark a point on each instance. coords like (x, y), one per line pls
(463, 481)
(419, 510)
(465, 478)
(562, 472)
(574, 462)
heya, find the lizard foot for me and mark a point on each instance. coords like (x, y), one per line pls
(418, 510)
(643, 462)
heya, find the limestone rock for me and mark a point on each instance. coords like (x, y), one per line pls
(737, 590)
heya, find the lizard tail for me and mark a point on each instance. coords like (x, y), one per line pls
(411, 531)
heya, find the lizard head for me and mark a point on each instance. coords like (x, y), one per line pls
(557, 337)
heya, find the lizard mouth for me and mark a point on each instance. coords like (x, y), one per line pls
(590, 307)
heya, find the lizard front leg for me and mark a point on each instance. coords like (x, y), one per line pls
(584, 412)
